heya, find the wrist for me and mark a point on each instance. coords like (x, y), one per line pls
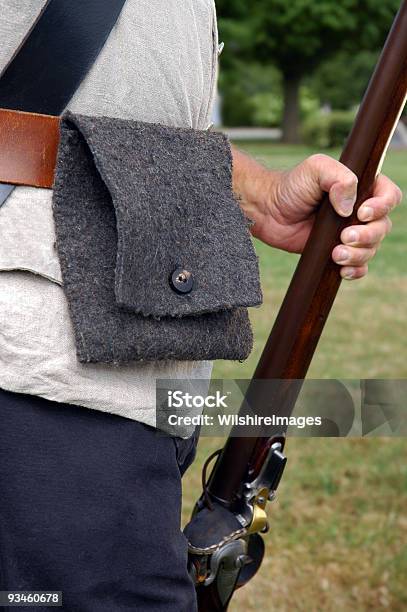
(255, 186)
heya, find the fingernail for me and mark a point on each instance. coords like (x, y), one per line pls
(346, 206)
(351, 237)
(342, 255)
(365, 213)
(348, 273)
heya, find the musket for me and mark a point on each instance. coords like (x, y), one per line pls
(225, 546)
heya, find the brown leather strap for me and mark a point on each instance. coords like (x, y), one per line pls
(28, 148)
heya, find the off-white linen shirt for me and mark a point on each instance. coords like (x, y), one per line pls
(158, 65)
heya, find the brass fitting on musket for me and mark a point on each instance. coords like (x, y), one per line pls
(262, 489)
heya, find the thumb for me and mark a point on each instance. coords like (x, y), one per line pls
(337, 180)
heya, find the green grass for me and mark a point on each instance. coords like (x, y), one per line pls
(339, 528)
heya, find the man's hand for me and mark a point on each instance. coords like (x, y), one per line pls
(283, 204)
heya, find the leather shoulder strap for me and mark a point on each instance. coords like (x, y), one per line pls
(55, 56)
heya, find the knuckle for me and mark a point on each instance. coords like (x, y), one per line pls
(398, 195)
(357, 257)
(386, 210)
(365, 256)
(363, 270)
(367, 237)
(350, 180)
(371, 254)
(316, 160)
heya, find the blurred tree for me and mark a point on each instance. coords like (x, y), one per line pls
(245, 84)
(298, 35)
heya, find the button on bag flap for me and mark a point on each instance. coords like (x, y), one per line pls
(156, 257)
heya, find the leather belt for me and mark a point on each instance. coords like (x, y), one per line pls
(28, 148)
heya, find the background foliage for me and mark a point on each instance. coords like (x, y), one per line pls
(279, 56)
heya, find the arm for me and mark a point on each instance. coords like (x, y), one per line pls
(282, 206)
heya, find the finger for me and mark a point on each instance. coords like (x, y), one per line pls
(366, 235)
(385, 197)
(353, 273)
(352, 256)
(337, 180)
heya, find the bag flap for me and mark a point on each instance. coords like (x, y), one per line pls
(183, 244)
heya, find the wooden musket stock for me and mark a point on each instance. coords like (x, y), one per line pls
(315, 283)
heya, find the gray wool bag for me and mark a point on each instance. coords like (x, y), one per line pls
(156, 256)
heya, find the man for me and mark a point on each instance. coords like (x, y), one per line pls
(90, 496)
